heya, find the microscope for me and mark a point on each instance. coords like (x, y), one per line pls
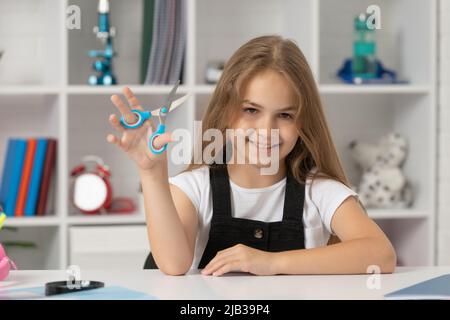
(103, 58)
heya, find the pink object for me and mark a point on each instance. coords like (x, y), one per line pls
(5, 264)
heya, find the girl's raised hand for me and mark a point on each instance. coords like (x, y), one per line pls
(135, 141)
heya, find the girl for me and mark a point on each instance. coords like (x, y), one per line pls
(230, 217)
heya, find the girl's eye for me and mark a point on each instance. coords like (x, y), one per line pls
(250, 110)
(286, 116)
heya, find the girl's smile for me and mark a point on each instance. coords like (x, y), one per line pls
(262, 146)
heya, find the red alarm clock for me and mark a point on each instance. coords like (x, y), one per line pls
(92, 191)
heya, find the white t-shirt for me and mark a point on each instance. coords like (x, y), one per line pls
(322, 198)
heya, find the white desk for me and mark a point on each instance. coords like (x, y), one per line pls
(236, 286)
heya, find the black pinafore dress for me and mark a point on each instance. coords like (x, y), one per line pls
(227, 231)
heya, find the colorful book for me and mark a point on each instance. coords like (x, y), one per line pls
(45, 196)
(51, 197)
(36, 178)
(16, 176)
(26, 175)
(7, 170)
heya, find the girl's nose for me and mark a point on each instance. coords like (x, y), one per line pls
(268, 123)
(264, 129)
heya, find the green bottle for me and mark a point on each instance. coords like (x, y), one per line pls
(364, 61)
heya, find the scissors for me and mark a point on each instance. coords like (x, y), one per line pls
(162, 112)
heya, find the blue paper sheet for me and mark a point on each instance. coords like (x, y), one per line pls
(437, 288)
(106, 293)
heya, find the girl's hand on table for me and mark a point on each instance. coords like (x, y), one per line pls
(241, 258)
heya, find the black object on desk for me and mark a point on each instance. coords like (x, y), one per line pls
(60, 287)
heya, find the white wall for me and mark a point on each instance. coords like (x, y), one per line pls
(443, 226)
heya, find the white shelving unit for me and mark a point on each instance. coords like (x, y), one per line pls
(43, 92)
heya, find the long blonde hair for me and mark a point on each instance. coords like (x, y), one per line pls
(315, 148)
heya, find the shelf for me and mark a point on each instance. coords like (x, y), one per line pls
(44, 255)
(27, 116)
(29, 90)
(374, 89)
(32, 221)
(117, 89)
(44, 91)
(367, 118)
(397, 214)
(404, 47)
(204, 89)
(106, 219)
(75, 220)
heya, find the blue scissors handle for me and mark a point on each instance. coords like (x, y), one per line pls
(141, 115)
(159, 131)
(144, 115)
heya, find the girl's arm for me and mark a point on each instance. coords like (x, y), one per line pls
(171, 223)
(363, 245)
(171, 217)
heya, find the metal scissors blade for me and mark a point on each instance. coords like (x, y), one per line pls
(175, 104)
(171, 96)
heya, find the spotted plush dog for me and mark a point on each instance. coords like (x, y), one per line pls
(383, 184)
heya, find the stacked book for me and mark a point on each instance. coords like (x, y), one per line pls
(28, 179)
(164, 41)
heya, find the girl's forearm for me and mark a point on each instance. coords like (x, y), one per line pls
(168, 241)
(349, 257)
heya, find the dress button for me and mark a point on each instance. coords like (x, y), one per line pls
(258, 233)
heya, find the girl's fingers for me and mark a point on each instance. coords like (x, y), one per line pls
(124, 110)
(220, 259)
(213, 266)
(217, 262)
(230, 266)
(114, 140)
(133, 102)
(221, 255)
(222, 266)
(115, 123)
(160, 140)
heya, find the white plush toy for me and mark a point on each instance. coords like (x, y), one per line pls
(383, 184)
